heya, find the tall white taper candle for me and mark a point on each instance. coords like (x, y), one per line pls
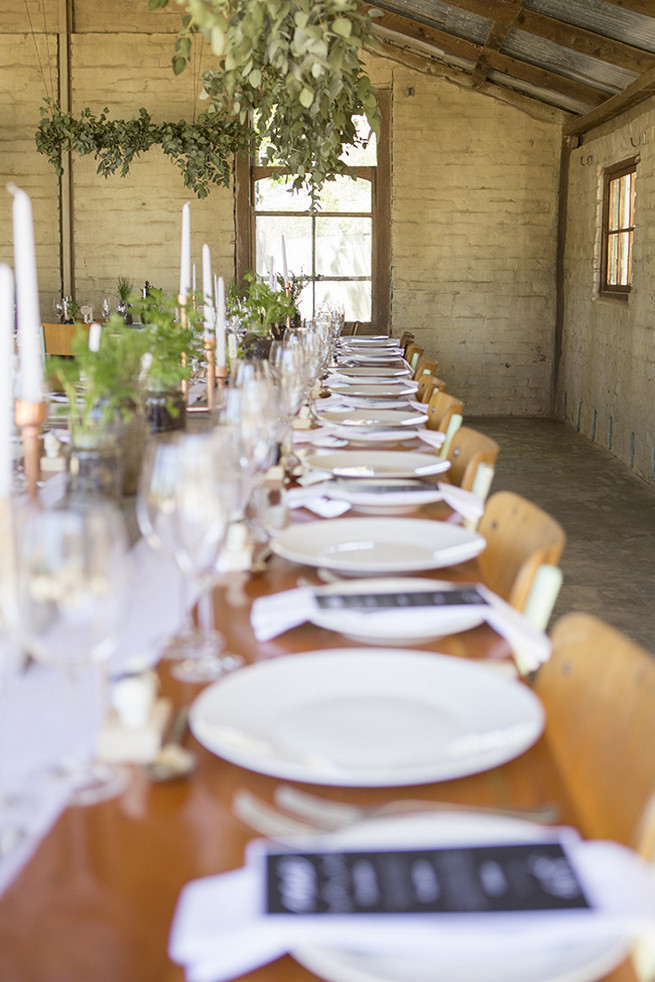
(207, 289)
(6, 379)
(220, 324)
(27, 298)
(185, 251)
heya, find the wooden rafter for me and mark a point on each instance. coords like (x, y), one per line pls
(494, 60)
(494, 42)
(635, 93)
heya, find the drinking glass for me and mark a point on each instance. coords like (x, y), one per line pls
(72, 584)
(188, 492)
(106, 308)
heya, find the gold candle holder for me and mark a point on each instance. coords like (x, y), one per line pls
(30, 417)
(210, 345)
(184, 322)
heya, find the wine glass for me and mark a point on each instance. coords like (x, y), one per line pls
(106, 308)
(72, 583)
(188, 492)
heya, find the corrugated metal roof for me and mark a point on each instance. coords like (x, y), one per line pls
(575, 54)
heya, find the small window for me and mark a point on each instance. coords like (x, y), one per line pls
(618, 227)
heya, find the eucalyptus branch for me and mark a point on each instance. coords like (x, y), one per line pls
(202, 150)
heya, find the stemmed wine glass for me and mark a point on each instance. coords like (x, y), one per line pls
(188, 493)
(70, 599)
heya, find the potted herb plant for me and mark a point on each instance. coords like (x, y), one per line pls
(124, 291)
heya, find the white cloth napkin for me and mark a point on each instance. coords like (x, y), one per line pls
(465, 503)
(318, 437)
(312, 499)
(221, 928)
(279, 612)
(434, 438)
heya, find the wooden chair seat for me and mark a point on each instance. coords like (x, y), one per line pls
(58, 338)
(471, 453)
(426, 386)
(598, 689)
(441, 408)
(521, 538)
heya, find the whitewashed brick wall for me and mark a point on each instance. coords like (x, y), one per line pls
(607, 379)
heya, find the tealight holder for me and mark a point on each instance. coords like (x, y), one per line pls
(30, 417)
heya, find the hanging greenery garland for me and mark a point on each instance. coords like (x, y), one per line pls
(202, 150)
(291, 66)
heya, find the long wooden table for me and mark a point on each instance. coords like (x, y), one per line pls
(96, 902)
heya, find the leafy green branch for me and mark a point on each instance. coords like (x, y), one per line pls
(202, 150)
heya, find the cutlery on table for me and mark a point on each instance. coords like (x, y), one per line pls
(313, 815)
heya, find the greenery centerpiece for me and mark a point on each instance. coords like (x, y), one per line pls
(262, 312)
(291, 67)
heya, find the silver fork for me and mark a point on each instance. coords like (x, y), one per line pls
(322, 816)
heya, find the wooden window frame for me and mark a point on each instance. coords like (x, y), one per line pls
(617, 290)
(245, 171)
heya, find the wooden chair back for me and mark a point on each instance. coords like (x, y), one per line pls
(441, 408)
(521, 537)
(424, 366)
(406, 339)
(426, 386)
(469, 449)
(58, 338)
(412, 355)
(598, 689)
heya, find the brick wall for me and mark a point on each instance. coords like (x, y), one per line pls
(474, 199)
(606, 380)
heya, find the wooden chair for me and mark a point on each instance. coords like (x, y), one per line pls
(472, 457)
(598, 689)
(412, 355)
(519, 563)
(58, 338)
(406, 339)
(424, 366)
(427, 384)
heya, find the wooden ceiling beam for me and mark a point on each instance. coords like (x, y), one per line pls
(644, 7)
(641, 89)
(494, 60)
(494, 42)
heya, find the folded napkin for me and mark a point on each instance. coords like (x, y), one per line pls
(315, 892)
(318, 437)
(312, 499)
(465, 503)
(276, 613)
(435, 438)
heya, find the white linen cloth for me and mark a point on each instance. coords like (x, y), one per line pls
(221, 929)
(279, 612)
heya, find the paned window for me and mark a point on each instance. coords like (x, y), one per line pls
(342, 247)
(618, 227)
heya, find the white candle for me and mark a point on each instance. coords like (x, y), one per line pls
(95, 334)
(6, 379)
(220, 324)
(207, 289)
(194, 278)
(271, 267)
(185, 251)
(285, 271)
(27, 299)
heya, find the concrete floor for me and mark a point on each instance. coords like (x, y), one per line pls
(607, 511)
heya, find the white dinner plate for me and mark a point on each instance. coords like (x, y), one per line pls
(378, 463)
(364, 339)
(570, 961)
(374, 418)
(373, 355)
(397, 625)
(361, 437)
(377, 496)
(367, 718)
(390, 390)
(377, 545)
(370, 372)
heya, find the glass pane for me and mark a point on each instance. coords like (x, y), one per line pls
(625, 216)
(297, 233)
(613, 216)
(276, 194)
(625, 258)
(612, 260)
(343, 246)
(347, 194)
(356, 298)
(362, 156)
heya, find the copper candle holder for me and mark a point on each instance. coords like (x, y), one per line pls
(30, 417)
(210, 345)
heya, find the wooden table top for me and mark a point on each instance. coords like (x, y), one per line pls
(96, 901)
